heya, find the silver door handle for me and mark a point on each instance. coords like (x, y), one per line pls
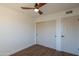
(55, 36)
(62, 36)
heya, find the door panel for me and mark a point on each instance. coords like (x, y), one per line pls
(46, 33)
(71, 34)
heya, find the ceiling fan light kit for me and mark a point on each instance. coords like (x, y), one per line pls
(36, 10)
(36, 7)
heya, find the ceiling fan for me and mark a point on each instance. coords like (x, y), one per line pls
(36, 7)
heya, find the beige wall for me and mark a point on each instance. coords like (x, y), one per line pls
(46, 32)
(16, 31)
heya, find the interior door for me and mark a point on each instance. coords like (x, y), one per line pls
(46, 32)
(70, 41)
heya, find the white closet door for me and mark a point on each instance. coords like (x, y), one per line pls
(70, 41)
(46, 32)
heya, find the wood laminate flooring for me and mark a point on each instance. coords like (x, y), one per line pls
(38, 50)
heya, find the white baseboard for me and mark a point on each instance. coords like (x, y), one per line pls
(12, 52)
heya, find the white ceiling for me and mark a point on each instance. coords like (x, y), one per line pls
(49, 8)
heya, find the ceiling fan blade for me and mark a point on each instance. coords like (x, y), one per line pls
(40, 5)
(27, 8)
(40, 12)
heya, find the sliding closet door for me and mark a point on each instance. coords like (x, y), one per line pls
(46, 33)
(70, 41)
